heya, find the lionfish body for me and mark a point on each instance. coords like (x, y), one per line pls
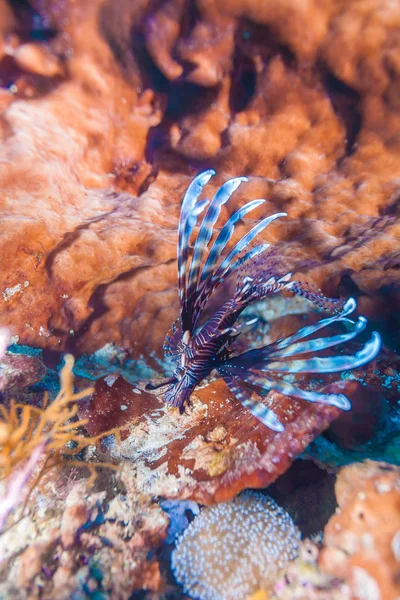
(197, 349)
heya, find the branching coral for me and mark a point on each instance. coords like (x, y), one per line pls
(23, 428)
(33, 438)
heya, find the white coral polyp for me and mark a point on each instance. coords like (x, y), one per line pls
(233, 549)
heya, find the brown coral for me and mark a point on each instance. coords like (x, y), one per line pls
(209, 454)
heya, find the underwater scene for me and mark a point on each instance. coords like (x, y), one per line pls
(200, 299)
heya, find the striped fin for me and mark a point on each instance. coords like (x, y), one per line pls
(308, 291)
(207, 290)
(172, 341)
(237, 329)
(348, 307)
(206, 229)
(187, 221)
(245, 241)
(224, 237)
(339, 400)
(258, 409)
(330, 364)
(319, 344)
(156, 386)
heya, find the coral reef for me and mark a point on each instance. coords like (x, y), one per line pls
(361, 543)
(34, 440)
(210, 453)
(84, 542)
(303, 580)
(109, 108)
(232, 549)
(216, 449)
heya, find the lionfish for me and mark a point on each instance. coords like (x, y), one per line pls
(197, 347)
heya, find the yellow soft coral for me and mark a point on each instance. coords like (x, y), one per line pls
(30, 436)
(23, 427)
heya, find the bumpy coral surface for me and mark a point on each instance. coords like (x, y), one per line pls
(210, 453)
(84, 542)
(303, 580)
(109, 108)
(232, 549)
(362, 540)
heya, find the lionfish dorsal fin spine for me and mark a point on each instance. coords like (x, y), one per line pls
(206, 230)
(186, 224)
(207, 290)
(245, 241)
(224, 236)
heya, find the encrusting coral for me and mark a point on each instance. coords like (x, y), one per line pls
(211, 452)
(233, 549)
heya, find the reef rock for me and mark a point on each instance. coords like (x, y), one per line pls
(109, 108)
(362, 540)
(304, 580)
(210, 453)
(83, 541)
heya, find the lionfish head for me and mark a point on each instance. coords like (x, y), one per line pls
(178, 392)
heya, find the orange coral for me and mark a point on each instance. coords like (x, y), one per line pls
(302, 93)
(361, 543)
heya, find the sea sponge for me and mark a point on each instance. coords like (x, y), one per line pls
(233, 549)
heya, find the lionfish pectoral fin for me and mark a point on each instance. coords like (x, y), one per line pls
(323, 343)
(347, 308)
(329, 364)
(257, 409)
(287, 389)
